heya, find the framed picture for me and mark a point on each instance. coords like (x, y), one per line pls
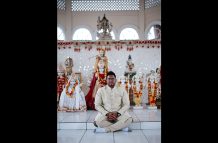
(79, 76)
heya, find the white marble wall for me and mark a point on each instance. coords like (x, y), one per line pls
(144, 59)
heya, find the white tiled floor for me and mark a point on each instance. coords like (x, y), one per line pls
(88, 136)
(70, 136)
(77, 127)
(88, 116)
(91, 137)
(136, 136)
(153, 136)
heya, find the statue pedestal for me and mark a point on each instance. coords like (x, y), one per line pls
(137, 107)
(152, 107)
(104, 36)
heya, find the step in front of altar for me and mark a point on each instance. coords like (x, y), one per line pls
(142, 119)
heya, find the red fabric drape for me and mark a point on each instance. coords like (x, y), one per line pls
(89, 98)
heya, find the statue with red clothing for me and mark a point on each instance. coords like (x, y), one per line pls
(158, 102)
(99, 78)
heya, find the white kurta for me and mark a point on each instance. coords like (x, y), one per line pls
(109, 100)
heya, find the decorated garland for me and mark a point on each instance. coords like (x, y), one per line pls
(127, 86)
(137, 93)
(70, 94)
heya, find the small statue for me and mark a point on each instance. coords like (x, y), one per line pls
(157, 32)
(69, 65)
(106, 27)
(101, 67)
(72, 97)
(158, 99)
(130, 65)
(137, 90)
(152, 88)
(99, 78)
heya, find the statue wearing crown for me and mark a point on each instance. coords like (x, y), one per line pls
(129, 73)
(69, 65)
(104, 27)
(72, 97)
(152, 85)
(137, 87)
(99, 78)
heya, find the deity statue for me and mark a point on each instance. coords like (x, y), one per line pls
(137, 87)
(152, 88)
(72, 97)
(105, 26)
(152, 75)
(61, 81)
(99, 78)
(130, 65)
(129, 73)
(158, 79)
(157, 32)
(69, 65)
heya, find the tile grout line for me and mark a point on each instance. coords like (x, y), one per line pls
(88, 120)
(145, 136)
(113, 137)
(89, 117)
(82, 136)
(136, 116)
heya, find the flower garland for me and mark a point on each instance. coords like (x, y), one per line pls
(155, 92)
(88, 45)
(127, 86)
(101, 79)
(70, 94)
(137, 93)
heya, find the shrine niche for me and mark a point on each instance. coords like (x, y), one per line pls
(104, 28)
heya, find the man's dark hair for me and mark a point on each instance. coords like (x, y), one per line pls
(111, 73)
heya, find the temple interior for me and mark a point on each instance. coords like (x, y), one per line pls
(94, 38)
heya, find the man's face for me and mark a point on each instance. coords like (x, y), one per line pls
(111, 80)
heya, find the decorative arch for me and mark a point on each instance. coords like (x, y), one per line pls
(149, 26)
(63, 30)
(128, 26)
(83, 26)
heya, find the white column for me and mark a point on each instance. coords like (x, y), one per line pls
(68, 20)
(141, 19)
